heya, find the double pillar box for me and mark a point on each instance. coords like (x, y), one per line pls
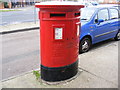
(59, 39)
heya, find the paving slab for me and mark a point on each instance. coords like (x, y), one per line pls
(102, 61)
(83, 80)
(87, 80)
(24, 81)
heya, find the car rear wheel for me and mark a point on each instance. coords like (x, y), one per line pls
(117, 37)
(84, 45)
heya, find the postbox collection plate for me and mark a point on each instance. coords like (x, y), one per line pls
(58, 33)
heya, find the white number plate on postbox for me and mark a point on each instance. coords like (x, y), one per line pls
(58, 33)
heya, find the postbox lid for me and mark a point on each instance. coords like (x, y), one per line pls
(58, 4)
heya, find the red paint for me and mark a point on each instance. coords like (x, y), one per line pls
(62, 52)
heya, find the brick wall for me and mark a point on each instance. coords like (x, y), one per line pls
(1, 5)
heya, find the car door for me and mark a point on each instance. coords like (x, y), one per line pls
(101, 30)
(114, 22)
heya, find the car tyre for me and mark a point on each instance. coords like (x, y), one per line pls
(84, 45)
(117, 37)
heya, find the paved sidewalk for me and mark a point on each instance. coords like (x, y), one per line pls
(98, 68)
(19, 27)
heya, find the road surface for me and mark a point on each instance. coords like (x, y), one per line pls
(20, 53)
(25, 14)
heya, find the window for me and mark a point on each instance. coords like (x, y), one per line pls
(114, 14)
(86, 13)
(103, 14)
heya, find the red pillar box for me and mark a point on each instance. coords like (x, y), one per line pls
(59, 39)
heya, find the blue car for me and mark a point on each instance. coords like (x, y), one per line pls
(98, 23)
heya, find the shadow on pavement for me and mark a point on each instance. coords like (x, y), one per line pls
(102, 44)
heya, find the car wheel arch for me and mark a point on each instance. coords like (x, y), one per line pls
(88, 36)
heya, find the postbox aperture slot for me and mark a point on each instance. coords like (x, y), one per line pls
(77, 14)
(57, 15)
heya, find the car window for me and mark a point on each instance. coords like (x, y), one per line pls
(114, 14)
(86, 13)
(103, 14)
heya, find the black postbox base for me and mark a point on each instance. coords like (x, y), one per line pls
(59, 73)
